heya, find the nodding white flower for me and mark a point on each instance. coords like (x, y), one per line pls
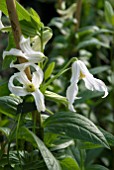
(36, 41)
(29, 87)
(1, 25)
(80, 71)
(26, 52)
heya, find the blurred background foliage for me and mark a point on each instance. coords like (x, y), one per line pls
(92, 42)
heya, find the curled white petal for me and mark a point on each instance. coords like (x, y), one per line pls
(83, 67)
(92, 83)
(14, 52)
(37, 78)
(17, 90)
(31, 55)
(39, 100)
(71, 94)
(71, 108)
(22, 78)
(75, 72)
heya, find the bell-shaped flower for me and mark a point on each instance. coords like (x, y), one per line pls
(46, 36)
(68, 13)
(1, 25)
(28, 87)
(26, 52)
(80, 71)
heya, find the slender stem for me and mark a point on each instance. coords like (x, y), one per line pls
(112, 93)
(11, 6)
(78, 13)
(82, 159)
(59, 3)
(17, 145)
(38, 129)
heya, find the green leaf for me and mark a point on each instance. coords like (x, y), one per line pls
(75, 126)
(91, 42)
(49, 159)
(88, 94)
(88, 30)
(22, 13)
(28, 28)
(34, 15)
(69, 164)
(49, 70)
(32, 18)
(99, 69)
(88, 145)
(55, 97)
(4, 89)
(108, 12)
(8, 59)
(96, 167)
(8, 105)
(5, 130)
(109, 137)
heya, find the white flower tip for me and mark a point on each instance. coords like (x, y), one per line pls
(106, 94)
(71, 108)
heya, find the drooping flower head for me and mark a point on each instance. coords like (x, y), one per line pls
(80, 71)
(29, 87)
(26, 52)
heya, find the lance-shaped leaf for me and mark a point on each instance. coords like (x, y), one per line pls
(8, 105)
(49, 159)
(75, 126)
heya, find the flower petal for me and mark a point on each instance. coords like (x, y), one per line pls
(92, 83)
(22, 78)
(1, 25)
(14, 52)
(25, 44)
(71, 108)
(71, 94)
(39, 100)
(75, 72)
(17, 90)
(37, 78)
(83, 68)
(100, 86)
(30, 54)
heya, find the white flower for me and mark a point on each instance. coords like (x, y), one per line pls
(1, 25)
(46, 36)
(26, 52)
(80, 71)
(29, 87)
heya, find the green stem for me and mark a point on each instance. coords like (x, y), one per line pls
(112, 93)
(18, 124)
(11, 6)
(50, 112)
(78, 13)
(38, 129)
(63, 70)
(59, 3)
(82, 159)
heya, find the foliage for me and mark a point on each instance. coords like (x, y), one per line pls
(59, 139)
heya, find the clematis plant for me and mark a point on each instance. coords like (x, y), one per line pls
(26, 52)
(80, 71)
(29, 87)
